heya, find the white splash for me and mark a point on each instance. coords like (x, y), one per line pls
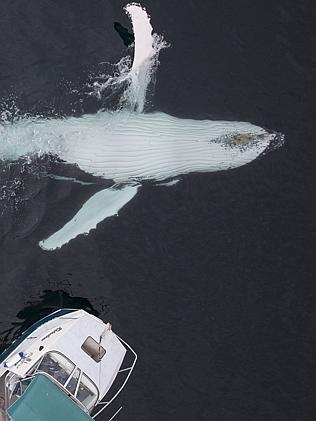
(101, 205)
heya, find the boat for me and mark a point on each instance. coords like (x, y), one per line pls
(70, 365)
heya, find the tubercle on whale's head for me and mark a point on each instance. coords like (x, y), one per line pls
(245, 140)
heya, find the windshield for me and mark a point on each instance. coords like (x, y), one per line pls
(57, 366)
(68, 375)
(87, 392)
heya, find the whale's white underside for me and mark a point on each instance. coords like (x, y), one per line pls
(125, 146)
(101, 205)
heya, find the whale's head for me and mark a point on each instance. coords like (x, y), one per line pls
(241, 143)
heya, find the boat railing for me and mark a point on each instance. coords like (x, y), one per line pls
(9, 391)
(15, 386)
(127, 370)
(11, 387)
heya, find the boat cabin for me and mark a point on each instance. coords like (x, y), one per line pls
(73, 355)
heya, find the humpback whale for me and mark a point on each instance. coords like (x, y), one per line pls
(129, 146)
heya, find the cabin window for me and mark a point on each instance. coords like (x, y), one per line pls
(73, 381)
(87, 392)
(57, 366)
(93, 349)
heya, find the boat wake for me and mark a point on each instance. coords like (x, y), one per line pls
(129, 146)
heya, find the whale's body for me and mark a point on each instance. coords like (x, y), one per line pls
(130, 147)
(125, 146)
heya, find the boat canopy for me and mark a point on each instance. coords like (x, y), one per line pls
(45, 401)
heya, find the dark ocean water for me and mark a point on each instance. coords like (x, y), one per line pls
(212, 281)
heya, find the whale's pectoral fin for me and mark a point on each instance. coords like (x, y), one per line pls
(100, 206)
(169, 183)
(72, 179)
